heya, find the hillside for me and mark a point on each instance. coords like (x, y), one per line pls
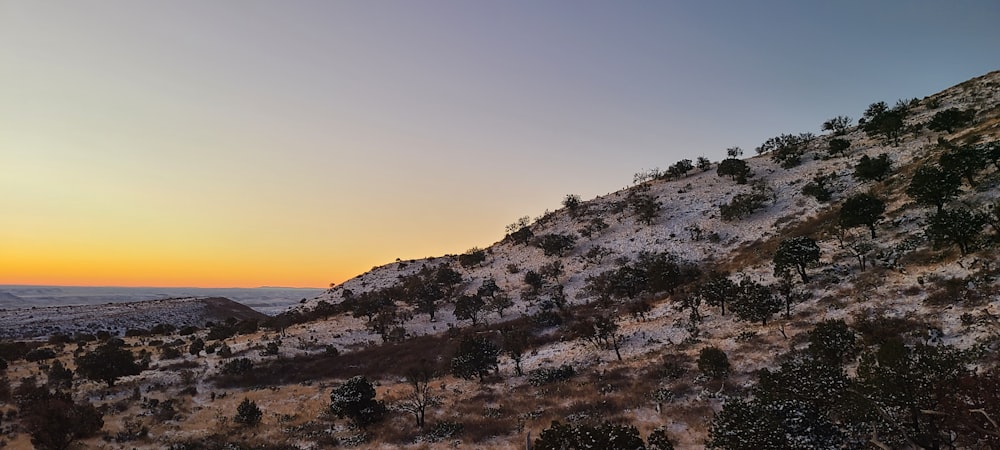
(117, 318)
(605, 308)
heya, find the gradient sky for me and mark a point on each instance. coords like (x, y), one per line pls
(298, 143)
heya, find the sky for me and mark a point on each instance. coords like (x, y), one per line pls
(245, 143)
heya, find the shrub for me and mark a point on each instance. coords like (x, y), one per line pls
(248, 414)
(838, 145)
(736, 169)
(40, 354)
(713, 363)
(355, 399)
(473, 257)
(556, 244)
(545, 375)
(876, 169)
(239, 366)
(606, 436)
(108, 362)
(745, 203)
(950, 119)
(444, 430)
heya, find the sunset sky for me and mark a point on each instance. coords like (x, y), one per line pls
(298, 143)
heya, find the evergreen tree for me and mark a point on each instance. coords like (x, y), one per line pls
(959, 226)
(108, 362)
(248, 414)
(475, 357)
(933, 186)
(862, 209)
(796, 253)
(869, 169)
(755, 302)
(355, 400)
(950, 119)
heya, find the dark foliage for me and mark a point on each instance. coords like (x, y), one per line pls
(108, 362)
(950, 119)
(876, 169)
(606, 436)
(796, 253)
(862, 210)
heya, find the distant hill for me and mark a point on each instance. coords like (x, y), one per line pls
(120, 317)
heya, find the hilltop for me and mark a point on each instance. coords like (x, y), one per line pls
(607, 313)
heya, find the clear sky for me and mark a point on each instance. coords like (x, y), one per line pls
(298, 143)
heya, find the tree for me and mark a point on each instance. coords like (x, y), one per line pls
(879, 120)
(703, 164)
(869, 169)
(716, 289)
(248, 414)
(469, 307)
(472, 257)
(420, 397)
(571, 202)
(658, 440)
(933, 186)
(959, 226)
(838, 125)
(789, 294)
(515, 343)
(388, 323)
(786, 149)
(900, 386)
(475, 357)
(755, 424)
(796, 253)
(736, 169)
(606, 436)
(197, 346)
(54, 421)
(950, 119)
(755, 302)
(745, 203)
(713, 363)
(862, 209)
(833, 341)
(355, 400)
(59, 375)
(734, 152)
(601, 331)
(680, 168)
(556, 244)
(838, 145)
(817, 188)
(646, 207)
(965, 161)
(108, 362)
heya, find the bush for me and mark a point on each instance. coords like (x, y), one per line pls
(950, 119)
(444, 430)
(744, 204)
(355, 399)
(556, 244)
(736, 169)
(40, 354)
(606, 436)
(108, 362)
(713, 363)
(545, 375)
(876, 169)
(239, 366)
(473, 257)
(248, 414)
